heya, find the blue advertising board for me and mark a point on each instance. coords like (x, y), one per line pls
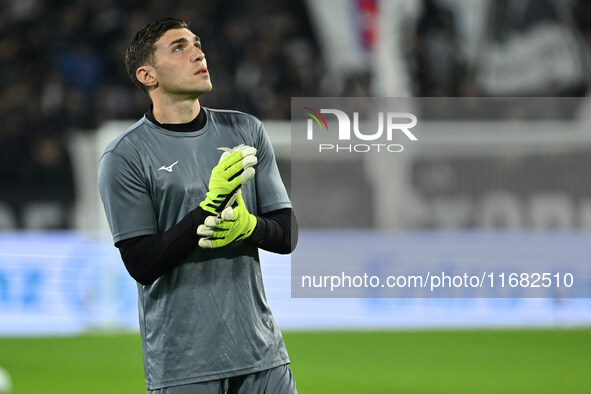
(65, 283)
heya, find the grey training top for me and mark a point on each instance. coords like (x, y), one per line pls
(208, 318)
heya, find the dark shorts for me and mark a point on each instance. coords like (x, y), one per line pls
(278, 380)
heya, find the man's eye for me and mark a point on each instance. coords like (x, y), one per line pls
(177, 49)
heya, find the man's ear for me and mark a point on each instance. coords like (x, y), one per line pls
(146, 75)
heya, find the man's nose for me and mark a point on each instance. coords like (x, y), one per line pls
(197, 55)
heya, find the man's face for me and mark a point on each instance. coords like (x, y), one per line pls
(181, 68)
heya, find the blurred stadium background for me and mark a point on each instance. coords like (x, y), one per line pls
(68, 318)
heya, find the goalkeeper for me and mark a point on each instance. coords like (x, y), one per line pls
(205, 323)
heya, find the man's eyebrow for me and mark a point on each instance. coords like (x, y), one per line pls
(184, 40)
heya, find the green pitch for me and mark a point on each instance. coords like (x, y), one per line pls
(505, 361)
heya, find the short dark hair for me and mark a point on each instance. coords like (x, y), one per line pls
(141, 50)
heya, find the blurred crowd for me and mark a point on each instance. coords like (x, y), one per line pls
(440, 66)
(61, 70)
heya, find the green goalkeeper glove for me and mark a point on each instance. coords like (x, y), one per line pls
(228, 176)
(235, 224)
(228, 151)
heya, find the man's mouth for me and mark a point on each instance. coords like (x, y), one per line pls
(201, 71)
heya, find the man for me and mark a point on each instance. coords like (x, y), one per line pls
(204, 319)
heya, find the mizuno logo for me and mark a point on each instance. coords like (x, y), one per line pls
(168, 168)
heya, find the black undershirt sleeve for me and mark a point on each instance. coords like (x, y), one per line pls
(148, 257)
(276, 231)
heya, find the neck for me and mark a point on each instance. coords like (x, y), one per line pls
(172, 111)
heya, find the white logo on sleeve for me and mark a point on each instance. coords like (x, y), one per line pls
(168, 168)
